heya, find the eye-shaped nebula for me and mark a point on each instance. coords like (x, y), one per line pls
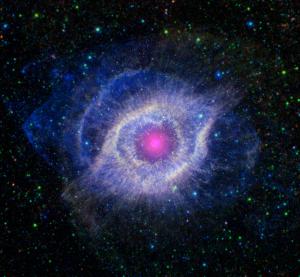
(144, 130)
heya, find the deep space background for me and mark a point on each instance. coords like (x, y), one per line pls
(256, 235)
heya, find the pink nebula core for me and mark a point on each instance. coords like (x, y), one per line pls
(155, 143)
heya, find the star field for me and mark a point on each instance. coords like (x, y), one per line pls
(51, 226)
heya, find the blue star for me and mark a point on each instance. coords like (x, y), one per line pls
(152, 246)
(219, 75)
(250, 24)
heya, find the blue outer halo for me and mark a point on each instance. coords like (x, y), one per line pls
(85, 129)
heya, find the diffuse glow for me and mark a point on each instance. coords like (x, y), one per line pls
(150, 128)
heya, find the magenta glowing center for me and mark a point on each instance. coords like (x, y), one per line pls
(155, 143)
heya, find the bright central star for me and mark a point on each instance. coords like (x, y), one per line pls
(155, 143)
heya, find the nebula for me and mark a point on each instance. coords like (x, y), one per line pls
(145, 123)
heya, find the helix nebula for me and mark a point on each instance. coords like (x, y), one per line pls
(145, 124)
(144, 134)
